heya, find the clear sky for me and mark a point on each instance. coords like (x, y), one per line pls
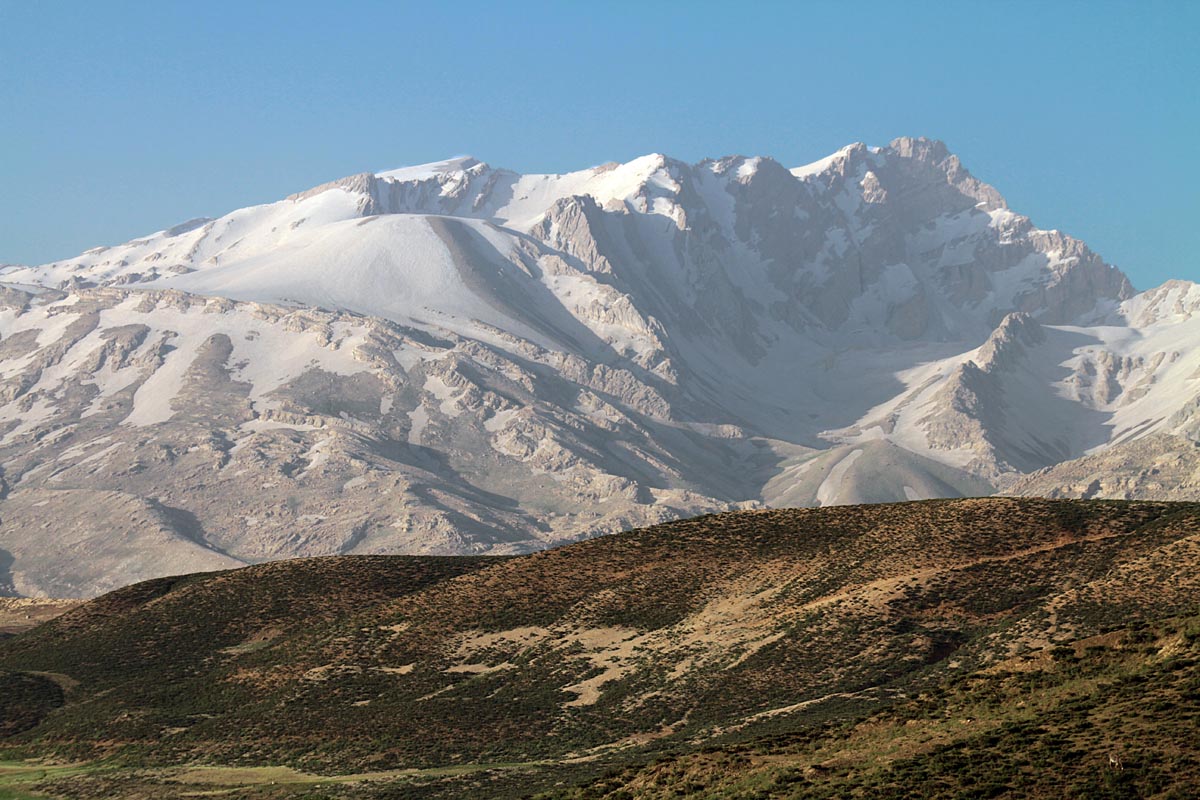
(119, 118)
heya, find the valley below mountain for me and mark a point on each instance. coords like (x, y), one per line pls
(460, 359)
(946, 648)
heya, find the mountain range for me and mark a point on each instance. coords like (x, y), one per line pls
(460, 359)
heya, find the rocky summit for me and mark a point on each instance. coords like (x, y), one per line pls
(459, 359)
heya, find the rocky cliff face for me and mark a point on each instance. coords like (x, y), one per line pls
(457, 358)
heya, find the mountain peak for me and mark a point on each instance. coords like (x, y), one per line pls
(921, 148)
(432, 169)
(823, 164)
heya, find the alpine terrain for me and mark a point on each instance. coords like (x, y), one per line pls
(459, 359)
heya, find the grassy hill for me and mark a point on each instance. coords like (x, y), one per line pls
(941, 648)
(19, 614)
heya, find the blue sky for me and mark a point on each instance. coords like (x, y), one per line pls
(121, 118)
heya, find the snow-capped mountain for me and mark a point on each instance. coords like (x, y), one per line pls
(458, 358)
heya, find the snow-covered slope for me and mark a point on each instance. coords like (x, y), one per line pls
(1033, 395)
(458, 358)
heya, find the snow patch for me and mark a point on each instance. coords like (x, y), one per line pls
(828, 493)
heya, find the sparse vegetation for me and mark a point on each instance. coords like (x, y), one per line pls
(967, 648)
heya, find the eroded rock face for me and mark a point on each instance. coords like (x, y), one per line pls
(1156, 467)
(136, 442)
(460, 359)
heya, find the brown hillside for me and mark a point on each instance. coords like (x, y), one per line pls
(565, 663)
